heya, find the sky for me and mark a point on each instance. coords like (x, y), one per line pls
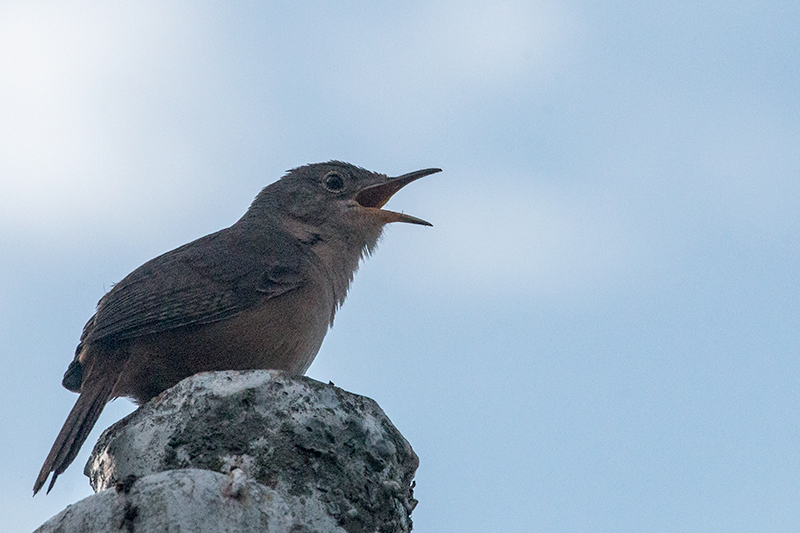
(600, 332)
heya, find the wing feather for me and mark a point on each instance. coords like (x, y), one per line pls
(207, 280)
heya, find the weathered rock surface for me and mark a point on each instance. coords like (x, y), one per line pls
(258, 450)
(190, 500)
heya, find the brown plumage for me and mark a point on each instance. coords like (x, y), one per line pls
(259, 294)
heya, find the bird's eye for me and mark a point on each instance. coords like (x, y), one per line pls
(334, 182)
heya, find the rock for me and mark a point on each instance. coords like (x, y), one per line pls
(190, 500)
(258, 443)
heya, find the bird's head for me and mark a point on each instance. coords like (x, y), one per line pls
(338, 199)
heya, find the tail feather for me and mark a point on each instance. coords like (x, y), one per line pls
(77, 427)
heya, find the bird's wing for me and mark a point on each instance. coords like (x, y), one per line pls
(204, 281)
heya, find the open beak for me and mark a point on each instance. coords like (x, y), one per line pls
(376, 196)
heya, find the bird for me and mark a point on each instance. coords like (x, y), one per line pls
(260, 294)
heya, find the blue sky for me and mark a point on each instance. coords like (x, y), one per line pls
(601, 332)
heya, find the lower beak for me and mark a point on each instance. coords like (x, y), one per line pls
(376, 196)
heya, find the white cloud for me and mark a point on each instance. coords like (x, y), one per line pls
(520, 238)
(489, 43)
(413, 73)
(74, 80)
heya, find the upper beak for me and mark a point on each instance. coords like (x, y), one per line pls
(376, 196)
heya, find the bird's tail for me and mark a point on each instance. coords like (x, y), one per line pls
(79, 423)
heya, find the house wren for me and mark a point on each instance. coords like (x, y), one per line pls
(259, 294)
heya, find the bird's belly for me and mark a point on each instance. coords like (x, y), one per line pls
(283, 333)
